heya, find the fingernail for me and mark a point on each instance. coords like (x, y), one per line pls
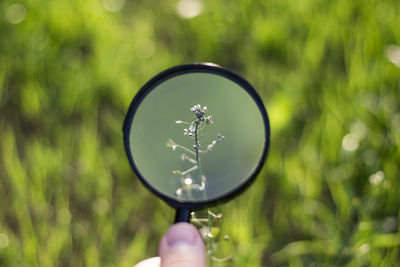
(182, 244)
(181, 234)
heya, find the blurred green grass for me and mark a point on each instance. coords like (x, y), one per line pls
(328, 72)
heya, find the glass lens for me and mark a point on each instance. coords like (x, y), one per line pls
(197, 137)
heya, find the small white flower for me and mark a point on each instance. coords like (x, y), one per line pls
(172, 144)
(195, 108)
(209, 120)
(188, 181)
(179, 192)
(178, 122)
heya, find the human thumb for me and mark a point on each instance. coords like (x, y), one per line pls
(182, 246)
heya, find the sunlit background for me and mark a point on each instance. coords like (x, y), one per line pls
(327, 71)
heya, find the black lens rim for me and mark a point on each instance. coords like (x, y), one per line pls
(195, 68)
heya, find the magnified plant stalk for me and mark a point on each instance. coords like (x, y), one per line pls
(199, 123)
(197, 148)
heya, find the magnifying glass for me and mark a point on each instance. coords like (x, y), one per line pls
(196, 135)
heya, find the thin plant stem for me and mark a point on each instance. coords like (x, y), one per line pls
(189, 170)
(194, 131)
(190, 193)
(186, 149)
(196, 141)
(197, 148)
(210, 240)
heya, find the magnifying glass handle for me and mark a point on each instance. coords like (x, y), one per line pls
(182, 215)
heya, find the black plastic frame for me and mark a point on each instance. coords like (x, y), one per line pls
(195, 68)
